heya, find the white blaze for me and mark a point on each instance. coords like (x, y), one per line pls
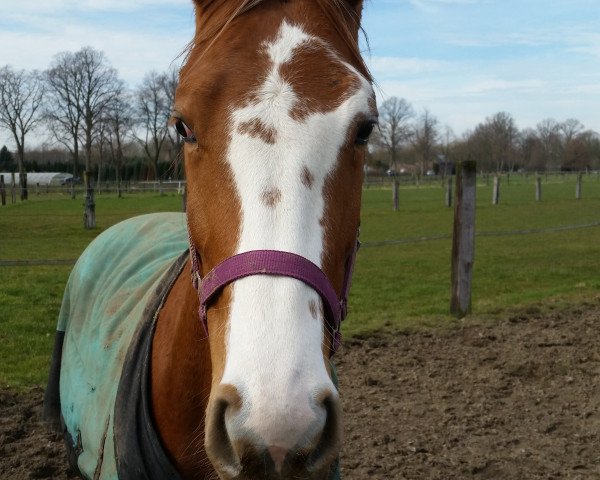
(274, 354)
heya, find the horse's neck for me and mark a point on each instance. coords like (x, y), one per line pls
(181, 377)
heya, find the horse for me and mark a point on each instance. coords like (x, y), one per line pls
(199, 345)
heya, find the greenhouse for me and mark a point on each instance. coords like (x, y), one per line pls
(41, 178)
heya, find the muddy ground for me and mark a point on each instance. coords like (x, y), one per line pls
(519, 399)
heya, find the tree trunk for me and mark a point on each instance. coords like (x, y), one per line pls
(22, 176)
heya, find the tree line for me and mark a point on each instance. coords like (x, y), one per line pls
(90, 113)
(98, 124)
(420, 144)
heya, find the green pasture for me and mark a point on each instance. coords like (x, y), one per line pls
(402, 275)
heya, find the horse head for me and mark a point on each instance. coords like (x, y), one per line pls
(275, 106)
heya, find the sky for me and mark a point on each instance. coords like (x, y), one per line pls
(463, 60)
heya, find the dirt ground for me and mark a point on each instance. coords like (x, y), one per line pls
(519, 399)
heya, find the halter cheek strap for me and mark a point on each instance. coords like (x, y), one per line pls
(275, 262)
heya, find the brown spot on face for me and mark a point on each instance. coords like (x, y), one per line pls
(257, 129)
(320, 81)
(271, 197)
(312, 306)
(307, 177)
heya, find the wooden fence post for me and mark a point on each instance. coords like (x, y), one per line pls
(2, 190)
(538, 189)
(89, 214)
(13, 193)
(395, 195)
(496, 190)
(578, 191)
(463, 239)
(449, 192)
(23, 184)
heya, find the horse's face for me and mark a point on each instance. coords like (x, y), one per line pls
(277, 111)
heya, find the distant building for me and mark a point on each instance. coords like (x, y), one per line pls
(443, 166)
(43, 178)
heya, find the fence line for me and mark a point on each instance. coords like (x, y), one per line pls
(516, 178)
(111, 187)
(375, 181)
(383, 243)
(36, 263)
(505, 233)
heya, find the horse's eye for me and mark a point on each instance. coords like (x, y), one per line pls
(364, 132)
(184, 131)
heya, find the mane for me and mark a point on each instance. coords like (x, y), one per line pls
(221, 13)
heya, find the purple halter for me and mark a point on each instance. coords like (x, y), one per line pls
(275, 262)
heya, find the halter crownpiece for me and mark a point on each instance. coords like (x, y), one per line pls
(275, 262)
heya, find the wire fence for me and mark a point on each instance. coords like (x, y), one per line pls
(373, 244)
(501, 233)
(507, 178)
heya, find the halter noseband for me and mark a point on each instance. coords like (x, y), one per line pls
(275, 262)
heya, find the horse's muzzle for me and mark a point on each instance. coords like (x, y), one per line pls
(238, 453)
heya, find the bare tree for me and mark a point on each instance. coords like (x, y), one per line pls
(495, 142)
(394, 127)
(570, 129)
(447, 147)
(174, 146)
(100, 85)
(64, 83)
(82, 86)
(153, 111)
(504, 137)
(425, 139)
(21, 95)
(549, 134)
(531, 150)
(101, 133)
(592, 142)
(119, 121)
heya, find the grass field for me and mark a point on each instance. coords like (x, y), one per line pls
(397, 286)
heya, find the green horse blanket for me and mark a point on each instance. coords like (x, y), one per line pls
(102, 348)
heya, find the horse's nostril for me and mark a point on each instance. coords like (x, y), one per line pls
(219, 447)
(329, 443)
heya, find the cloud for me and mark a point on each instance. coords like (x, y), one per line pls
(498, 85)
(385, 67)
(586, 43)
(434, 6)
(153, 41)
(54, 6)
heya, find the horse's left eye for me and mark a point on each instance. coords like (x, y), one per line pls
(364, 132)
(184, 131)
